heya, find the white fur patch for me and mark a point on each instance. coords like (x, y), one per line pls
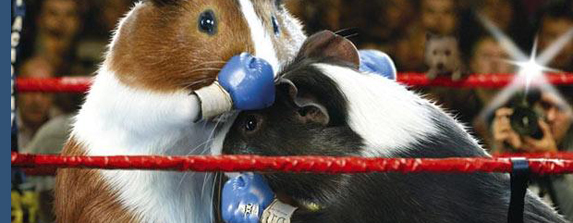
(262, 41)
(219, 138)
(120, 120)
(383, 112)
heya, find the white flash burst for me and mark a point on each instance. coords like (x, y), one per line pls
(530, 68)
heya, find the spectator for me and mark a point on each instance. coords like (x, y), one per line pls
(396, 14)
(389, 25)
(488, 57)
(557, 119)
(33, 108)
(557, 19)
(111, 11)
(409, 50)
(439, 16)
(103, 18)
(500, 12)
(507, 15)
(555, 124)
(50, 139)
(58, 26)
(317, 15)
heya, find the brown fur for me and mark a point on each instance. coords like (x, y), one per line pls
(75, 186)
(160, 47)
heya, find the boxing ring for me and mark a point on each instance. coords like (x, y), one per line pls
(542, 164)
(549, 163)
(81, 84)
(520, 166)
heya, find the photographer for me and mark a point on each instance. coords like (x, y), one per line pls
(554, 123)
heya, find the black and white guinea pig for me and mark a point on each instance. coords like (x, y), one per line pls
(337, 111)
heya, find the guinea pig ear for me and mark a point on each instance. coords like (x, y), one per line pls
(332, 45)
(309, 110)
(287, 86)
(312, 112)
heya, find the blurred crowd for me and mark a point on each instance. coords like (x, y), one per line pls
(59, 38)
(399, 27)
(69, 37)
(419, 34)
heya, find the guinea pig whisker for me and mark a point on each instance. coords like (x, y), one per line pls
(202, 146)
(202, 69)
(205, 69)
(183, 178)
(351, 35)
(192, 151)
(198, 71)
(209, 140)
(212, 133)
(208, 63)
(191, 84)
(347, 32)
(207, 177)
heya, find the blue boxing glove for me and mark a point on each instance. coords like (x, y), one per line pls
(244, 198)
(377, 62)
(249, 81)
(244, 83)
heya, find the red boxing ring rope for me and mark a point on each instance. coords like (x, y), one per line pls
(81, 84)
(298, 164)
(477, 80)
(58, 84)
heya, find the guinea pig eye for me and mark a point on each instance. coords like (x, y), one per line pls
(208, 22)
(276, 28)
(251, 123)
(447, 52)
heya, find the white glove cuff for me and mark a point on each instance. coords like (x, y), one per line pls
(277, 212)
(214, 100)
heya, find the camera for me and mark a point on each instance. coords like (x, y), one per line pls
(525, 119)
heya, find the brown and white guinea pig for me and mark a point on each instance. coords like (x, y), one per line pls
(142, 103)
(332, 109)
(443, 56)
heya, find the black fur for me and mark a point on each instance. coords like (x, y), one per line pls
(279, 125)
(367, 198)
(379, 197)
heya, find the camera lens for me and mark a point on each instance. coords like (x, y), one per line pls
(524, 121)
